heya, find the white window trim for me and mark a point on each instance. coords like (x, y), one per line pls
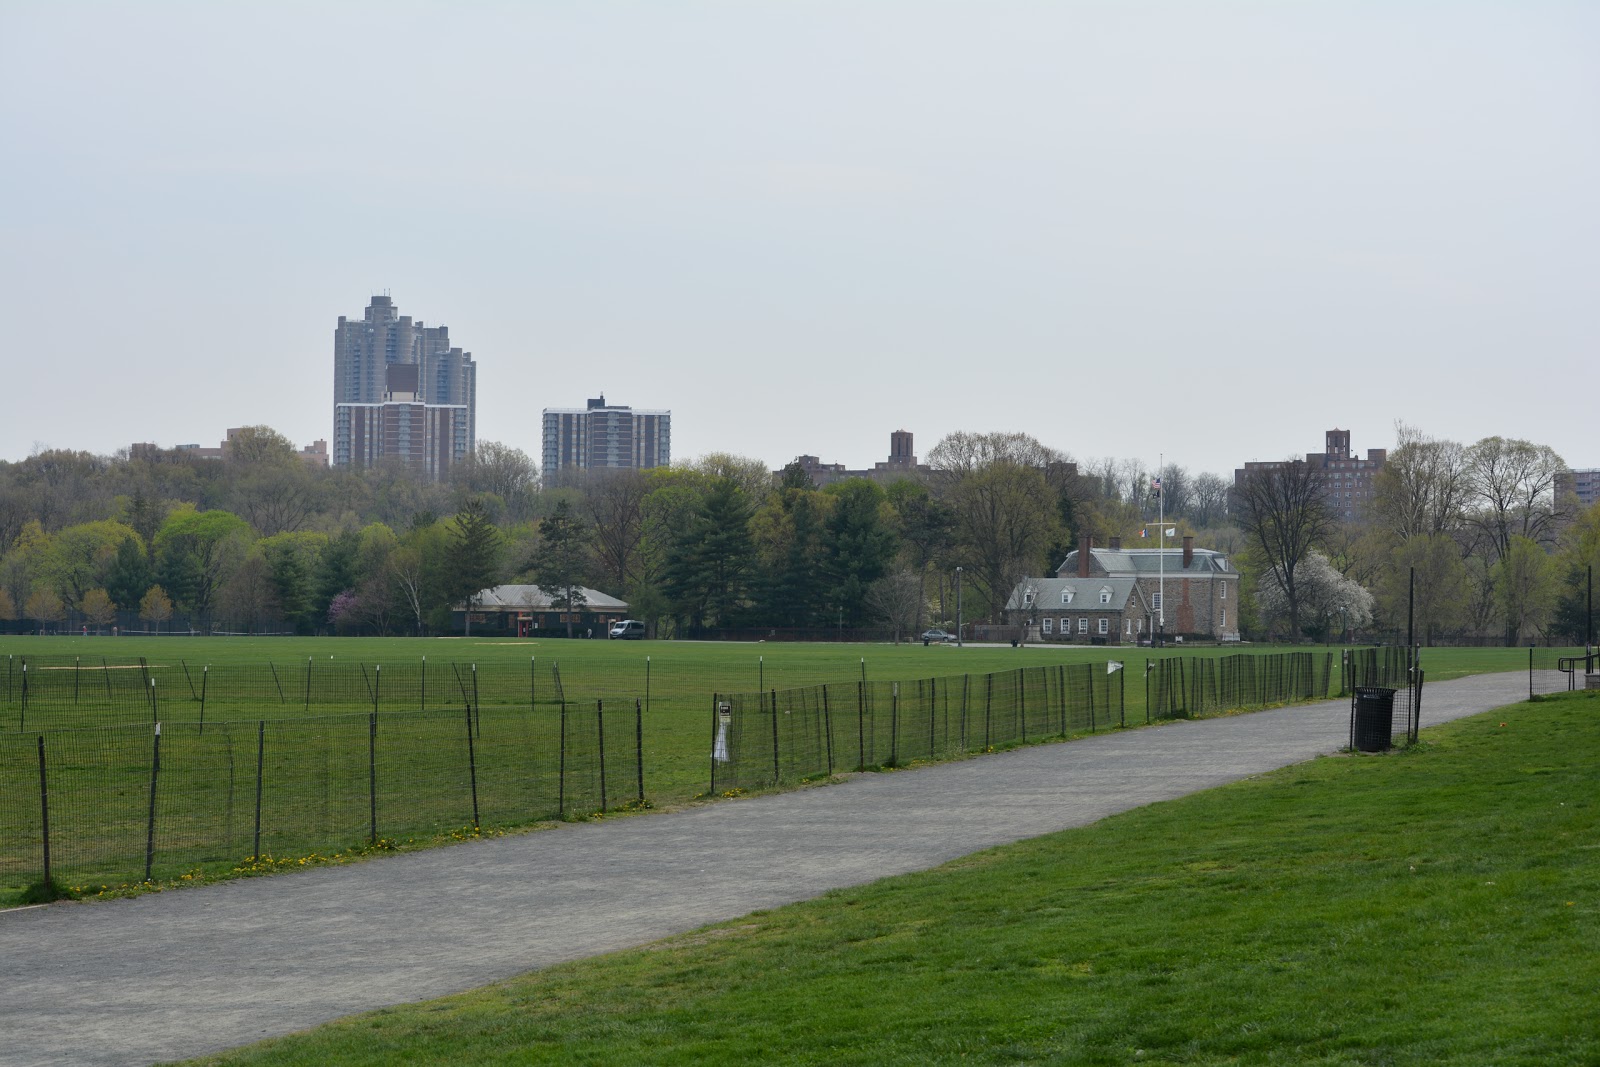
(1083, 625)
(1046, 625)
(1105, 625)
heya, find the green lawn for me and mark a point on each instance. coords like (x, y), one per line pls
(1431, 906)
(422, 786)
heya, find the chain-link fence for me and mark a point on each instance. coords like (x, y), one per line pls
(787, 736)
(148, 787)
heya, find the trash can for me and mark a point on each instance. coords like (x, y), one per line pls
(1373, 727)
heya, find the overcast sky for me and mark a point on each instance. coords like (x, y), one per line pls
(1210, 230)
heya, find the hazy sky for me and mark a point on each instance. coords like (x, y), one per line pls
(1212, 230)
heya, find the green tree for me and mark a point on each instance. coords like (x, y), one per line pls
(98, 607)
(560, 563)
(787, 534)
(129, 574)
(708, 572)
(155, 606)
(475, 555)
(202, 548)
(1525, 583)
(292, 562)
(1440, 596)
(45, 606)
(859, 543)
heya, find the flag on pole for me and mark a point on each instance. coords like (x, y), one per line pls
(1155, 486)
(1143, 532)
(1113, 667)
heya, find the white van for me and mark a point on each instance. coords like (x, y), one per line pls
(627, 630)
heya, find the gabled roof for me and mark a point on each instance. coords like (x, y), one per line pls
(1138, 562)
(1085, 593)
(532, 598)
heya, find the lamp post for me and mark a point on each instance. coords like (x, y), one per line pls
(958, 607)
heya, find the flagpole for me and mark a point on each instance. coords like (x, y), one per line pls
(1161, 547)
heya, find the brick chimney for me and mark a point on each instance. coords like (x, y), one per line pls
(1188, 550)
(1116, 544)
(1085, 543)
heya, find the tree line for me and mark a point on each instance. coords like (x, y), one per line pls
(259, 541)
(1460, 542)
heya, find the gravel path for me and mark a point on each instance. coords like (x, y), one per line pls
(178, 974)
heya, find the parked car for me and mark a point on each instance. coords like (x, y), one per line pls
(627, 630)
(930, 636)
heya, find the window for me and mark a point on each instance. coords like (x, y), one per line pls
(1066, 596)
(1046, 625)
(1127, 626)
(1105, 625)
(1027, 598)
(1222, 620)
(1155, 601)
(1224, 594)
(1105, 596)
(1083, 625)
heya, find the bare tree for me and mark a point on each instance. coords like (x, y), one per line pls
(614, 501)
(1512, 484)
(897, 599)
(502, 471)
(1422, 486)
(1209, 505)
(1283, 513)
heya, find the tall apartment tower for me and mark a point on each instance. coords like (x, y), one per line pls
(604, 436)
(401, 391)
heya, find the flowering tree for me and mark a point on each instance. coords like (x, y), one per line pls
(1325, 598)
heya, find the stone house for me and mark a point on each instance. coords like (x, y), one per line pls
(1115, 596)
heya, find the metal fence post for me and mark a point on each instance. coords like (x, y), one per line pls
(44, 813)
(150, 826)
(894, 724)
(205, 675)
(261, 752)
(776, 774)
(372, 771)
(472, 769)
(827, 727)
(600, 730)
(638, 744)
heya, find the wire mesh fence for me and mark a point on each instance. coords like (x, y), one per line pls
(1184, 687)
(1385, 686)
(1554, 670)
(154, 793)
(47, 692)
(787, 736)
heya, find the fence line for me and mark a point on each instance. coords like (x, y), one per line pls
(786, 736)
(179, 778)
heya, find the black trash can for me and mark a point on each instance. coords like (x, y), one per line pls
(1373, 726)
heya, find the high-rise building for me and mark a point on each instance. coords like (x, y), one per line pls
(1347, 480)
(605, 436)
(401, 391)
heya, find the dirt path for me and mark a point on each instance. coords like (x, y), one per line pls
(178, 974)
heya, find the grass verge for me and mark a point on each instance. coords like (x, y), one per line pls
(1435, 905)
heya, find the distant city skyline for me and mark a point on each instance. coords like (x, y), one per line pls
(1201, 230)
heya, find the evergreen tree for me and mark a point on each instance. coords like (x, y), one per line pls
(474, 554)
(561, 561)
(129, 575)
(708, 573)
(860, 545)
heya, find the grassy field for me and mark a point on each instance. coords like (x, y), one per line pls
(1431, 906)
(676, 680)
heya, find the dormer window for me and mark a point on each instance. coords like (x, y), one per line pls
(1105, 595)
(1027, 598)
(1066, 596)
